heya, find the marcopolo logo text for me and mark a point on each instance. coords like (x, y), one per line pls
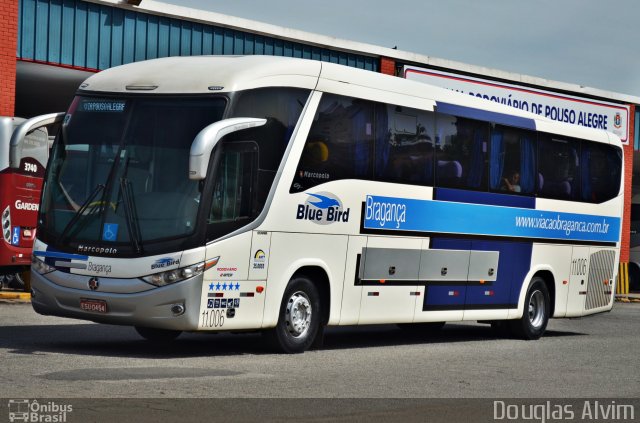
(96, 250)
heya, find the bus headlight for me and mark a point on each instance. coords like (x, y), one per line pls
(40, 266)
(173, 276)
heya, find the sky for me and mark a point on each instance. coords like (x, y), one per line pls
(593, 43)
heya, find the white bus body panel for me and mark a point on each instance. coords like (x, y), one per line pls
(352, 293)
(227, 282)
(293, 251)
(388, 302)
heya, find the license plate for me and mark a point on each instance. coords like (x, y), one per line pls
(93, 306)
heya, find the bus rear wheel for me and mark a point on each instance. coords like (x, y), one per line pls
(537, 307)
(160, 336)
(299, 318)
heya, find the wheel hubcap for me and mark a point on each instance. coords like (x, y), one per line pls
(299, 312)
(536, 309)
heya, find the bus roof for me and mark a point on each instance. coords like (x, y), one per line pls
(205, 74)
(218, 74)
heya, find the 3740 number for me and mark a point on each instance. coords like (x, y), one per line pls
(30, 167)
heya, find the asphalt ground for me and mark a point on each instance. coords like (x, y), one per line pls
(372, 373)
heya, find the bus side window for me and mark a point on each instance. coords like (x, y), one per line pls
(559, 166)
(404, 145)
(339, 145)
(461, 153)
(601, 166)
(234, 185)
(512, 162)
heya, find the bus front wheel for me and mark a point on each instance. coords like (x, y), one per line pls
(537, 307)
(299, 318)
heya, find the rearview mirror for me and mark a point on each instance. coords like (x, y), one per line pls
(15, 149)
(207, 139)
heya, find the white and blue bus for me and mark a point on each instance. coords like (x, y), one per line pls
(285, 195)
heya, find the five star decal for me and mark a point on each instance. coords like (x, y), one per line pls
(224, 286)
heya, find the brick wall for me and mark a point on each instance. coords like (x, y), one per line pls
(8, 46)
(387, 66)
(628, 172)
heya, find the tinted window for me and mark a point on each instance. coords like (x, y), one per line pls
(461, 154)
(339, 145)
(127, 162)
(512, 163)
(280, 106)
(404, 145)
(235, 196)
(601, 168)
(558, 169)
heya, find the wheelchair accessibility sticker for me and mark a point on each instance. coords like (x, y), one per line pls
(110, 232)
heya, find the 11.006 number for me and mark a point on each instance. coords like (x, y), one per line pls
(213, 318)
(579, 267)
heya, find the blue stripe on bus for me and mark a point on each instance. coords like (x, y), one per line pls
(60, 255)
(454, 218)
(484, 115)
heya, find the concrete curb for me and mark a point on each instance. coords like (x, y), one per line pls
(15, 296)
(629, 298)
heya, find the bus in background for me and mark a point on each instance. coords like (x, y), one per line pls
(285, 195)
(24, 150)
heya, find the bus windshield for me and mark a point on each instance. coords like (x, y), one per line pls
(119, 171)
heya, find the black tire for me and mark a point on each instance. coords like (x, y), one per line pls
(299, 318)
(159, 336)
(421, 328)
(537, 307)
(14, 281)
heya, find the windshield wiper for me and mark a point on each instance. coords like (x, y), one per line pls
(131, 214)
(86, 205)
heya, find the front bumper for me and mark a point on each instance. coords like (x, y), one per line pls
(150, 308)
